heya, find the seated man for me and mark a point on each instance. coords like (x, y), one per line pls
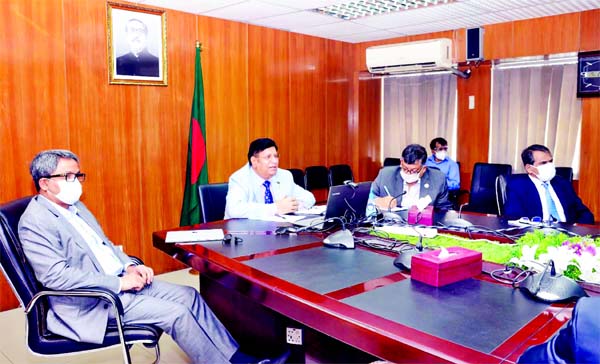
(439, 159)
(576, 343)
(67, 249)
(541, 193)
(260, 189)
(404, 185)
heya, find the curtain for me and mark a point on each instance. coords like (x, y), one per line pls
(535, 104)
(416, 109)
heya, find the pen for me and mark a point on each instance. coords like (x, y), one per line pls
(387, 191)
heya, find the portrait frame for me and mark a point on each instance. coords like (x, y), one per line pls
(137, 45)
(588, 74)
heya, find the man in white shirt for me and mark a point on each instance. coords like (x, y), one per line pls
(261, 189)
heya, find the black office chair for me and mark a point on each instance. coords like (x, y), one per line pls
(34, 298)
(316, 177)
(482, 196)
(212, 201)
(391, 162)
(339, 173)
(565, 172)
(500, 193)
(298, 175)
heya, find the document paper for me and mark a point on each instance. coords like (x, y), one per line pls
(194, 235)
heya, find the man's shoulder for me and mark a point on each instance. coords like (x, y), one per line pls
(434, 172)
(518, 179)
(38, 210)
(389, 171)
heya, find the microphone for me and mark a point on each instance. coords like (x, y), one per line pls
(394, 199)
(404, 258)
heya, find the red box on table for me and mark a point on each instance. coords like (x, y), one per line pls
(459, 265)
(424, 217)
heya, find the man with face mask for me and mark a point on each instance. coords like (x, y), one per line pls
(439, 158)
(540, 193)
(404, 185)
(67, 249)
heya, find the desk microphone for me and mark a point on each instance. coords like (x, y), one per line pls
(394, 199)
(404, 258)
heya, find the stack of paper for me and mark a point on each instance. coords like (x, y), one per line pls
(194, 235)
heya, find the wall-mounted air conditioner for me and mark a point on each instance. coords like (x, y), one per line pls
(422, 56)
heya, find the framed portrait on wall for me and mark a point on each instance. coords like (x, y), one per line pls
(588, 74)
(137, 45)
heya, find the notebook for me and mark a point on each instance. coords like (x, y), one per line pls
(344, 201)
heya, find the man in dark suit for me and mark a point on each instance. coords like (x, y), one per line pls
(411, 181)
(139, 61)
(67, 249)
(578, 342)
(541, 193)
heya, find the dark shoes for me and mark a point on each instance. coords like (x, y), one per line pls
(281, 359)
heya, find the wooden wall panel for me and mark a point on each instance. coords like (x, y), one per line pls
(164, 116)
(498, 41)
(369, 129)
(589, 174)
(225, 69)
(473, 125)
(548, 35)
(268, 87)
(308, 74)
(590, 30)
(33, 113)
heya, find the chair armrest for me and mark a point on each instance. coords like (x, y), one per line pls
(136, 260)
(101, 293)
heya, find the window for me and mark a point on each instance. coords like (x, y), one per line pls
(417, 108)
(534, 100)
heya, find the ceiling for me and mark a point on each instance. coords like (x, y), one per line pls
(295, 15)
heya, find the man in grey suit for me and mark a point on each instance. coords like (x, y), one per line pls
(404, 185)
(67, 249)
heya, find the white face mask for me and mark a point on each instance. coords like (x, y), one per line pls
(70, 192)
(441, 155)
(409, 178)
(546, 172)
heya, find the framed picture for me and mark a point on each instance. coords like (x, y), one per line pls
(588, 74)
(137, 45)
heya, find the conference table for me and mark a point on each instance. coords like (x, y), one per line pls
(354, 305)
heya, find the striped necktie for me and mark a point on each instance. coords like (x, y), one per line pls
(552, 211)
(268, 195)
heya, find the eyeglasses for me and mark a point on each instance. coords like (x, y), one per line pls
(411, 171)
(69, 177)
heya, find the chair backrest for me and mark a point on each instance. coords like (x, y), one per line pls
(482, 197)
(212, 201)
(565, 172)
(316, 177)
(298, 175)
(391, 162)
(15, 266)
(500, 193)
(339, 173)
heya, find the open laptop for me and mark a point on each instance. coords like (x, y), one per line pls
(348, 201)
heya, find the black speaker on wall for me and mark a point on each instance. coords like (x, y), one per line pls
(474, 44)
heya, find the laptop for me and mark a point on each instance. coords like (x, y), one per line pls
(348, 202)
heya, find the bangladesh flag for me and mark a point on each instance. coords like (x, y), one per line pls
(197, 168)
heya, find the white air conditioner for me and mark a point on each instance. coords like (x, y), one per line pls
(422, 56)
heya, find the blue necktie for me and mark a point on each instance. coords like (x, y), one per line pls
(552, 211)
(268, 195)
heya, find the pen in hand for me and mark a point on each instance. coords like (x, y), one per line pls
(387, 191)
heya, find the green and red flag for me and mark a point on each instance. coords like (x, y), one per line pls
(197, 168)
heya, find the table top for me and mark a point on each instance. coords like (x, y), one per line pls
(359, 297)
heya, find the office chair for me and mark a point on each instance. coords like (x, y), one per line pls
(213, 198)
(34, 298)
(391, 162)
(316, 177)
(339, 173)
(565, 172)
(482, 196)
(298, 175)
(500, 193)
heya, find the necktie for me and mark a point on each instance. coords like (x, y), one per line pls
(550, 202)
(268, 195)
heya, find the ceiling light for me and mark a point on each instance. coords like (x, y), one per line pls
(362, 8)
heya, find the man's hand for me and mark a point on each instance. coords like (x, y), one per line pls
(136, 277)
(286, 205)
(143, 271)
(386, 203)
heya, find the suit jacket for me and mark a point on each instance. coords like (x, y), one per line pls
(578, 342)
(433, 184)
(522, 199)
(62, 260)
(145, 64)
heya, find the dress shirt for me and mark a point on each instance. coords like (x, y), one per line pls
(542, 192)
(108, 260)
(246, 195)
(449, 168)
(412, 195)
